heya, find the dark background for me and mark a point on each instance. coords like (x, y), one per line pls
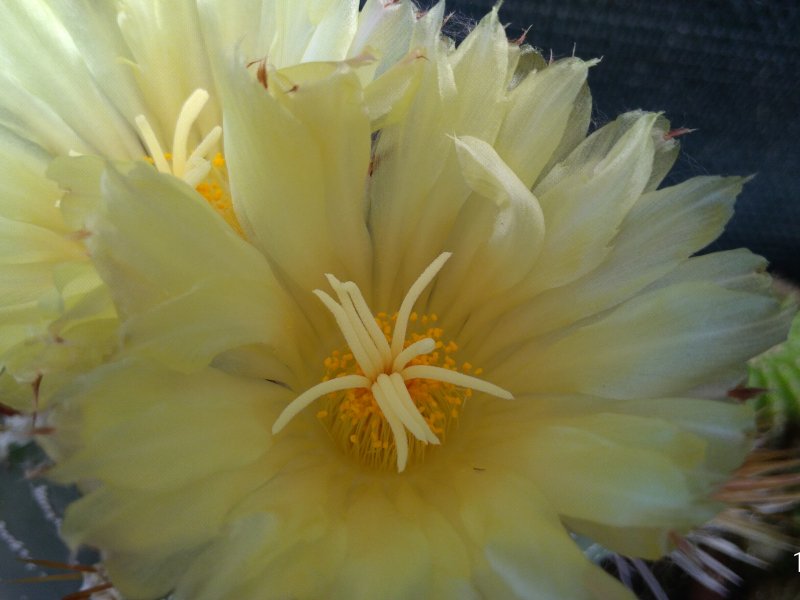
(729, 69)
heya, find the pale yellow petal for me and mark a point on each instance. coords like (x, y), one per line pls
(290, 526)
(662, 343)
(461, 93)
(334, 25)
(692, 443)
(387, 99)
(538, 115)
(184, 518)
(297, 168)
(51, 95)
(666, 153)
(94, 30)
(738, 269)
(152, 439)
(495, 240)
(57, 319)
(21, 287)
(586, 197)
(156, 424)
(385, 28)
(575, 132)
(169, 66)
(141, 577)
(419, 144)
(245, 566)
(153, 239)
(635, 468)
(404, 567)
(503, 516)
(24, 243)
(25, 193)
(287, 32)
(480, 70)
(77, 334)
(662, 229)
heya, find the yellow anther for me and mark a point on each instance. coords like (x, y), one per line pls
(219, 199)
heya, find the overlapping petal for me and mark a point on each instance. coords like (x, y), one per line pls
(291, 174)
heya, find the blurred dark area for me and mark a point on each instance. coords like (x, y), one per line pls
(30, 513)
(729, 69)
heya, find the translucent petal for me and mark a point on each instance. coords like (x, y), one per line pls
(480, 70)
(153, 239)
(334, 25)
(418, 144)
(388, 97)
(55, 86)
(94, 30)
(666, 153)
(162, 444)
(287, 31)
(690, 442)
(385, 28)
(538, 115)
(297, 167)
(657, 344)
(25, 193)
(461, 93)
(510, 566)
(169, 66)
(23, 243)
(585, 198)
(662, 229)
(496, 238)
(160, 430)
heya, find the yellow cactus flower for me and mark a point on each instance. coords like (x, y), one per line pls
(127, 80)
(438, 334)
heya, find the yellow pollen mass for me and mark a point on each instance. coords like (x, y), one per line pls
(215, 191)
(391, 393)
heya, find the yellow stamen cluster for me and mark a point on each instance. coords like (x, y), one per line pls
(207, 175)
(397, 392)
(215, 191)
(356, 422)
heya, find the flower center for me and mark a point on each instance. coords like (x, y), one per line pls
(205, 173)
(391, 395)
(355, 420)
